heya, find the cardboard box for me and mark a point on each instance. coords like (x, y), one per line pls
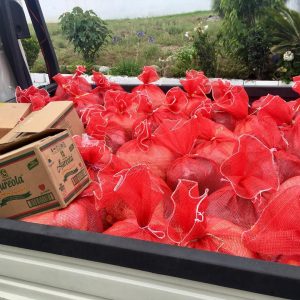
(40, 172)
(11, 114)
(58, 115)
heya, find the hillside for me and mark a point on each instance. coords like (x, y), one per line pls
(134, 42)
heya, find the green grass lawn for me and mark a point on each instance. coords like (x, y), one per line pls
(161, 37)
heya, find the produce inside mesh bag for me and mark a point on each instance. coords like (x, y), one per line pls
(198, 166)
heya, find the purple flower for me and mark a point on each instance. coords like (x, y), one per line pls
(151, 40)
(116, 39)
(140, 34)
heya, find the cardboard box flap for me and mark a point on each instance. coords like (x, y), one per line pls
(12, 113)
(45, 118)
(26, 139)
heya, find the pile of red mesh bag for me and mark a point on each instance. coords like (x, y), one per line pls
(195, 167)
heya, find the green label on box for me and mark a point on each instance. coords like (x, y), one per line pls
(31, 165)
(8, 199)
(40, 200)
(67, 175)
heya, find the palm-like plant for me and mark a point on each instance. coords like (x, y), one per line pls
(285, 31)
(284, 28)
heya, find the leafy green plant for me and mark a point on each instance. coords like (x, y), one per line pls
(205, 50)
(127, 67)
(244, 35)
(32, 50)
(85, 30)
(285, 26)
(178, 63)
(257, 42)
(39, 67)
(216, 6)
(285, 32)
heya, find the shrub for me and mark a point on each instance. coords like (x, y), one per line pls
(216, 6)
(205, 49)
(126, 67)
(85, 30)
(39, 66)
(178, 63)
(257, 43)
(244, 33)
(285, 32)
(32, 50)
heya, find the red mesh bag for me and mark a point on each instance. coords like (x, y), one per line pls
(215, 142)
(273, 107)
(143, 196)
(266, 130)
(196, 83)
(94, 222)
(291, 182)
(114, 208)
(79, 215)
(97, 155)
(296, 86)
(80, 97)
(107, 130)
(141, 104)
(230, 99)
(104, 84)
(225, 204)
(155, 95)
(86, 112)
(290, 260)
(111, 207)
(37, 97)
(203, 109)
(292, 137)
(251, 170)
(190, 227)
(176, 100)
(197, 86)
(223, 237)
(177, 135)
(101, 81)
(154, 117)
(145, 149)
(295, 107)
(195, 168)
(63, 82)
(288, 165)
(187, 221)
(277, 230)
(224, 119)
(120, 109)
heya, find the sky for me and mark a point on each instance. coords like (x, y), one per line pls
(120, 9)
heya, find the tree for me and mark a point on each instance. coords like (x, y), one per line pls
(285, 38)
(216, 7)
(85, 30)
(244, 31)
(32, 50)
(285, 27)
(249, 11)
